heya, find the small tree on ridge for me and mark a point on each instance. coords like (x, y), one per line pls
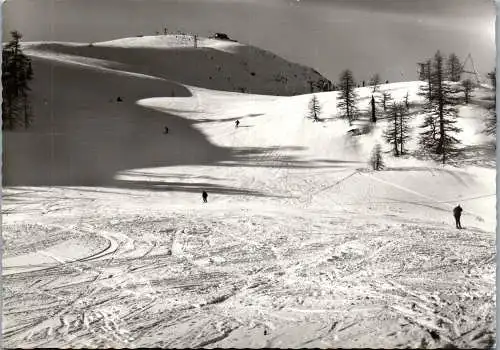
(314, 108)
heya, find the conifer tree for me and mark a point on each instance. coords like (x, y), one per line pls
(374, 110)
(391, 133)
(17, 72)
(404, 128)
(376, 161)
(314, 108)
(348, 98)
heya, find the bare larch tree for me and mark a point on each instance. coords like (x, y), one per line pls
(314, 108)
(347, 102)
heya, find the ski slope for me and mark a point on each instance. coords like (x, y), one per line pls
(108, 244)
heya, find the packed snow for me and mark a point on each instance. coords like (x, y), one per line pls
(108, 243)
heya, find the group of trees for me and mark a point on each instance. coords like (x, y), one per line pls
(397, 132)
(443, 90)
(439, 131)
(17, 72)
(441, 93)
(348, 99)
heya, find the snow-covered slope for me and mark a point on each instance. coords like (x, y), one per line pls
(107, 242)
(215, 64)
(288, 139)
(172, 41)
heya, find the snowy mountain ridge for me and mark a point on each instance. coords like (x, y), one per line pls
(214, 63)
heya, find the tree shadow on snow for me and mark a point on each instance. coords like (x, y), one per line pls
(79, 138)
(198, 187)
(171, 175)
(483, 155)
(233, 119)
(476, 155)
(336, 161)
(176, 110)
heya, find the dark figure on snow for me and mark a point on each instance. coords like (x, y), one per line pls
(457, 212)
(237, 123)
(205, 196)
(166, 130)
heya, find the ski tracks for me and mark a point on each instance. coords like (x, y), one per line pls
(45, 326)
(266, 269)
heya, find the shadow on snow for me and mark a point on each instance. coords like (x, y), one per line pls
(80, 138)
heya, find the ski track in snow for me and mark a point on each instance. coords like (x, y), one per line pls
(272, 273)
(338, 257)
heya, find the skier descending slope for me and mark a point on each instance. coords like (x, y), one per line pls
(457, 212)
(205, 196)
(237, 123)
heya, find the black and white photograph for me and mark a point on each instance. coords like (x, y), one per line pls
(249, 174)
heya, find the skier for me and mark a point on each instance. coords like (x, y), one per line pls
(457, 212)
(166, 130)
(119, 99)
(205, 196)
(237, 123)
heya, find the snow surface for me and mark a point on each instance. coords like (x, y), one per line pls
(172, 41)
(216, 64)
(108, 244)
